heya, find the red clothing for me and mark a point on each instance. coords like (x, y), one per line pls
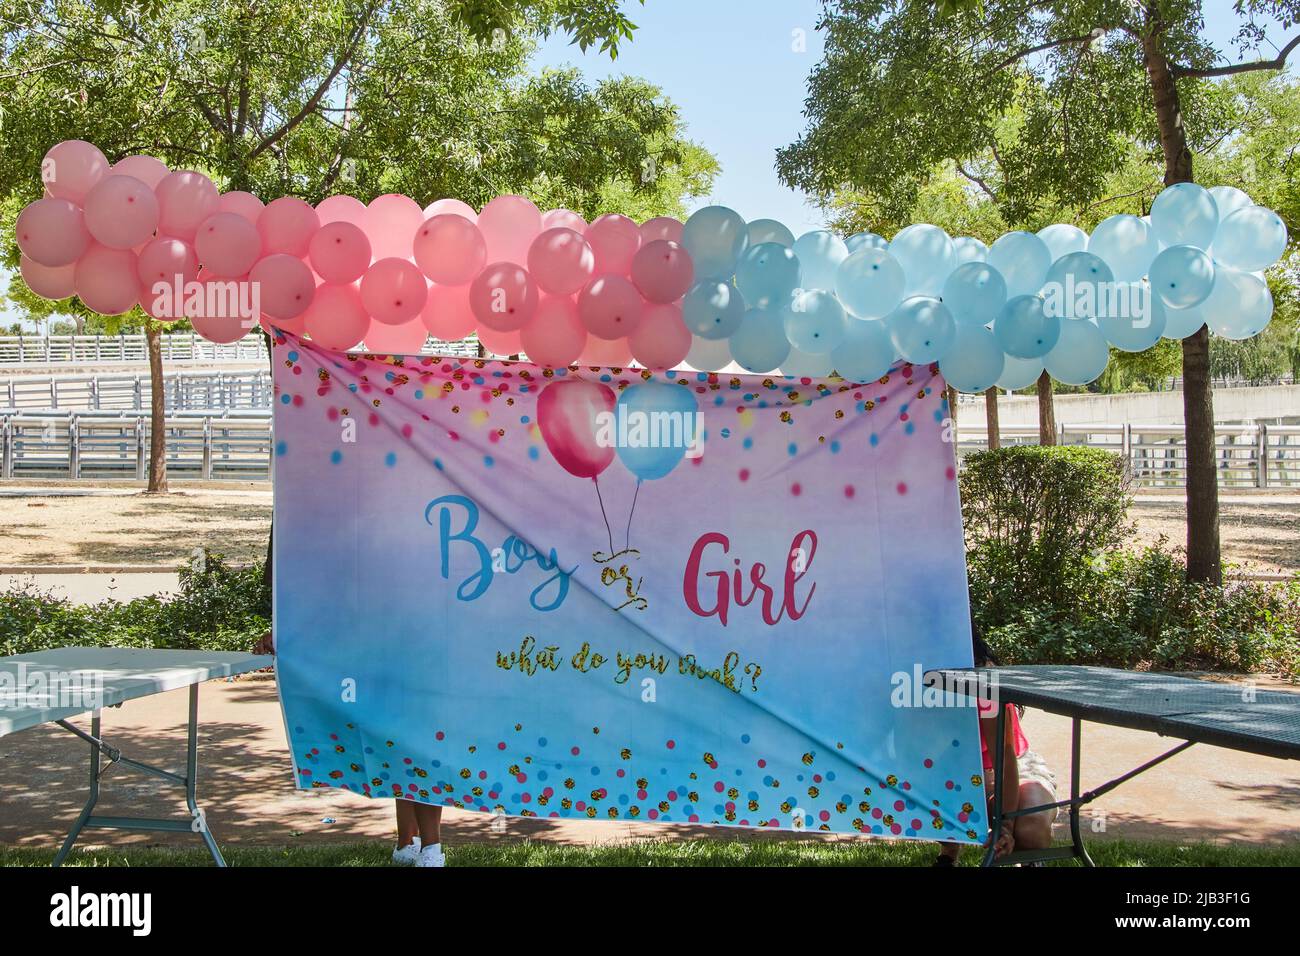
(988, 709)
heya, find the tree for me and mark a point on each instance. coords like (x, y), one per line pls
(903, 88)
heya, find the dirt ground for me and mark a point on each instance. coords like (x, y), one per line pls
(1260, 534)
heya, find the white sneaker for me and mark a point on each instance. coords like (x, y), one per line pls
(407, 855)
(432, 856)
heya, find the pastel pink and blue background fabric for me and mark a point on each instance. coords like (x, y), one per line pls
(430, 548)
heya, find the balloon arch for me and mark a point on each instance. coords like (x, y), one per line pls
(662, 294)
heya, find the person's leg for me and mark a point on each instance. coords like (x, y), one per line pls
(430, 822)
(1034, 832)
(407, 826)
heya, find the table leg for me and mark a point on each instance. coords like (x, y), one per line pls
(89, 808)
(191, 773)
(1076, 752)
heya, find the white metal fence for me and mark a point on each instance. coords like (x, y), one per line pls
(182, 391)
(88, 349)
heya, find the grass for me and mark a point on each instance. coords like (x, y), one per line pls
(663, 853)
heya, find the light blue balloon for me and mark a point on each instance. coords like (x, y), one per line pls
(715, 236)
(760, 345)
(927, 256)
(1133, 319)
(1025, 329)
(870, 283)
(709, 355)
(820, 254)
(1228, 199)
(1182, 276)
(922, 329)
(1062, 239)
(969, 249)
(1126, 244)
(713, 309)
(803, 365)
(867, 351)
(974, 361)
(1251, 239)
(1240, 306)
(975, 293)
(1185, 214)
(767, 275)
(1180, 323)
(1080, 354)
(865, 240)
(1075, 284)
(1018, 373)
(769, 230)
(1023, 259)
(667, 414)
(815, 322)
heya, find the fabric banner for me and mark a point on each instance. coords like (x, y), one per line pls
(602, 593)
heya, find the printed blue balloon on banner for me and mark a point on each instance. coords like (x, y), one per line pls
(1062, 239)
(867, 351)
(712, 309)
(820, 254)
(975, 293)
(815, 322)
(1251, 239)
(865, 240)
(1080, 354)
(1025, 329)
(1228, 199)
(1133, 318)
(803, 365)
(927, 255)
(969, 249)
(767, 275)
(1180, 323)
(1019, 373)
(1240, 306)
(974, 360)
(769, 230)
(760, 345)
(1185, 214)
(922, 329)
(1023, 259)
(1182, 276)
(870, 283)
(715, 236)
(1127, 245)
(671, 411)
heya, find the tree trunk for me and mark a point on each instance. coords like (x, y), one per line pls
(268, 568)
(951, 394)
(1203, 558)
(1046, 411)
(157, 410)
(991, 417)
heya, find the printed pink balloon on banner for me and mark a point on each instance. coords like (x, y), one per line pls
(185, 200)
(391, 224)
(563, 219)
(614, 240)
(661, 340)
(339, 252)
(509, 225)
(222, 329)
(568, 415)
(49, 282)
(52, 232)
(405, 339)
(450, 207)
(450, 249)
(147, 169)
(503, 297)
(606, 353)
(610, 307)
(227, 244)
(242, 204)
(446, 313)
(337, 318)
(554, 336)
(287, 225)
(343, 209)
(107, 280)
(560, 261)
(72, 168)
(662, 270)
(394, 291)
(164, 260)
(121, 212)
(284, 284)
(661, 227)
(501, 343)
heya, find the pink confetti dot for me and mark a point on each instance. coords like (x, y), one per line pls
(671, 744)
(902, 487)
(849, 491)
(796, 489)
(950, 473)
(744, 474)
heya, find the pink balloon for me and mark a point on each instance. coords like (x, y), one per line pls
(563, 218)
(393, 221)
(450, 207)
(72, 168)
(343, 209)
(52, 232)
(163, 260)
(121, 212)
(509, 225)
(340, 252)
(568, 414)
(337, 318)
(147, 169)
(554, 336)
(446, 313)
(106, 280)
(661, 340)
(560, 261)
(663, 271)
(610, 307)
(297, 326)
(394, 291)
(49, 282)
(242, 204)
(185, 200)
(287, 225)
(284, 284)
(228, 244)
(614, 240)
(222, 329)
(661, 227)
(449, 249)
(500, 343)
(405, 339)
(503, 297)
(606, 353)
